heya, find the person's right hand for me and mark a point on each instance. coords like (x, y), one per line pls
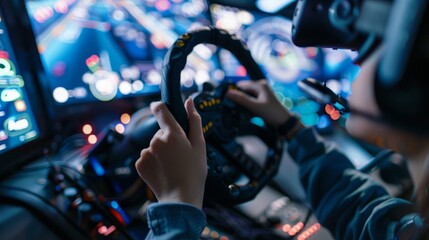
(261, 101)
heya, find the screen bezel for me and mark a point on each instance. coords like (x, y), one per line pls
(25, 55)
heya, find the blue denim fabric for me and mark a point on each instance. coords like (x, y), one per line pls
(175, 221)
(347, 202)
(350, 204)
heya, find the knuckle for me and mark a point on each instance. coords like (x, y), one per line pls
(172, 138)
(155, 145)
(158, 108)
(197, 117)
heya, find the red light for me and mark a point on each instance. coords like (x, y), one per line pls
(59, 69)
(103, 230)
(93, 60)
(4, 54)
(312, 52)
(241, 71)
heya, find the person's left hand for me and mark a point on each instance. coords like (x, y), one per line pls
(174, 165)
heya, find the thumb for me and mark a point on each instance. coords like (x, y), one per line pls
(241, 98)
(195, 134)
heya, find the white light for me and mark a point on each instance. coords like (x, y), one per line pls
(118, 15)
(18, 125)
(138, 85)
(245, 17)
(61, 94)
(219, 74)
(105, 87)
(88, 78)
(79, 92)
(272, 6)
(153, 77)
(203, 51)
(125, 88)
(130, 72)
(31, 135)
(334, 85)
(10, 95)
(201, 77)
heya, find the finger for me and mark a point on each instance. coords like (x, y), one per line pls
(242, 98)
(253, 87)
(145, 156)
(164, 117)
(195, 135)
(156, 141)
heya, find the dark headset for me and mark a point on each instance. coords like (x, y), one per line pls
(401, 90)
(401, 86)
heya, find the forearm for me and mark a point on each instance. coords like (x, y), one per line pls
(345, 201)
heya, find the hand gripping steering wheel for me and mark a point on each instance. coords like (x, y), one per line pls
(222, 121)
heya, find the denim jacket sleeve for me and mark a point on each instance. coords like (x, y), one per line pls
(175, 221)
(347, 202)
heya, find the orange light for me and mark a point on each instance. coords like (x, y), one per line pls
(20, 106)
(206, 231)
(335, 115)
(317, 226)
(224, 238)
(286, 228)
(87, 129)
(329, 109)
(214, 234)
(92, 139)
(120, 128)
(125, 118)
(292, 232)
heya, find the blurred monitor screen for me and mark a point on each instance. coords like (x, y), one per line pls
(17, 120)
(99, 50)
(269, 39)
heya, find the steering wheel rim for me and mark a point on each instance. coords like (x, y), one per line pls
(174, 63)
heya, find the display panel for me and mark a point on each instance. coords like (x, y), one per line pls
(17, 120)
(99, 50)
(269, 40)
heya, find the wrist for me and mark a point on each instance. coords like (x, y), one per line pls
(290, 127)
(178, 197)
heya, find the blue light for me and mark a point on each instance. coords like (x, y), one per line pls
(272, 6)
(98, 169)
(323, 122)
(114, 204)
(257, 121)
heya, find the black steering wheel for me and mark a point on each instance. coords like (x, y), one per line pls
(222, 121)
